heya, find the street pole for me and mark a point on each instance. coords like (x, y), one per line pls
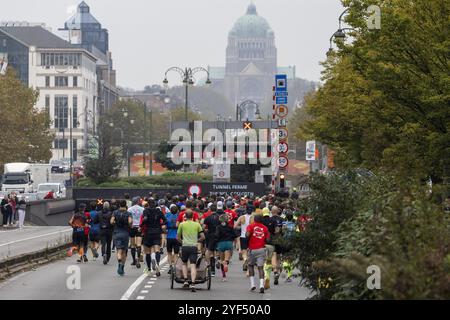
(187, 103)
(71, 146)
(145, 147)
(151, 142)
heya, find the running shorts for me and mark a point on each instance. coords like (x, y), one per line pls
(134, 232)
(223, 246)
(94, 237)
(257, 257)
(244, 243)
(78, 238)
(189, 253)
(151, 240)
(121, 240)
(173, 246)
(210, 243)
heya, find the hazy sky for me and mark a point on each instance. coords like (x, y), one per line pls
(149, 36)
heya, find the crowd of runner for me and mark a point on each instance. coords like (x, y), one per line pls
(190, 228)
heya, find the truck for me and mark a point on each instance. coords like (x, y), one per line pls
(24, 177)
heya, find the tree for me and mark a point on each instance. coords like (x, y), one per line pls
(161, 156)
(26, 135)
(108, 163)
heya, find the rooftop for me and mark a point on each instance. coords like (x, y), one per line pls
(37, 36)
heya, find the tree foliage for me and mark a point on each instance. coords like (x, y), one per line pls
(25, 130)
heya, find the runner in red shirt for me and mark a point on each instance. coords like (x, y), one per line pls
(181, 216)
(258, 234)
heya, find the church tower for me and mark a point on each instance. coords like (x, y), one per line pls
(251, 59)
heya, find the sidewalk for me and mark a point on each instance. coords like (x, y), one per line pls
(15, 242)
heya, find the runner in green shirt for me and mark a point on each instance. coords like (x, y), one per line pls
(188, 233)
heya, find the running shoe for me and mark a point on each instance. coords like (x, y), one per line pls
(85, 259)
(261, 290)
(275, 282)
(105, 259)
(138, 264)
(133, 263)
(192, 287)
(252, 288)
(186, 284)
(146, 271)
(79, 260)
(224, 280)
(153, 265)
(161, 250)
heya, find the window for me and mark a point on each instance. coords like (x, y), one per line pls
(61, 112)
(47, 105)
(75, 111)
(61, 59)
(60, 144)
(47, 81)
(75, 82)
(61, 81)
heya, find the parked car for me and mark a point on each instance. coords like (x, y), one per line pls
(58, 189)
(66, 164)
(57, 166)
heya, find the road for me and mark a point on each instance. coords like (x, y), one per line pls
(101, 282)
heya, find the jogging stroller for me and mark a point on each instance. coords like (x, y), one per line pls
(203, 273)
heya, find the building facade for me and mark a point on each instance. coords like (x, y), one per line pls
(84, 30)
(251, 61)
(64, 75)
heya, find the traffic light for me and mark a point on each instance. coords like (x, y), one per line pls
(282, 181)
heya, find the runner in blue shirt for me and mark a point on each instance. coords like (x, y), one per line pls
(173, 246)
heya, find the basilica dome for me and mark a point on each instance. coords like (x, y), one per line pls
(251, 25)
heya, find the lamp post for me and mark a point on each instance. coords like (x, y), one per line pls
(187, 77)
(340, 33)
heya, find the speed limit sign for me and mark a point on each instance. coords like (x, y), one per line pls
(283, 134)
(282, 147)
(282, 111)
(283, 162)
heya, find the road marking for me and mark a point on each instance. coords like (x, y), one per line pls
(136, 284)
(148, 287)
(151, 282)
(36, 237)
(144, 291)
(153, 279)
(140, 298)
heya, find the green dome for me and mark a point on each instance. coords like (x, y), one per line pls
(251, 25)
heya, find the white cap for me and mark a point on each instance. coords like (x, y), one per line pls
(210, 204)
(220, 205)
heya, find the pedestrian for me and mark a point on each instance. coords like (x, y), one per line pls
(190, 233)
(94, 230)
(78, 223)
(4, 210)
(9, 211)
(225, 236)
(21, 212)
(257, 234)
(242, 224)
(152, 225)
(122, 222)
(103, 218)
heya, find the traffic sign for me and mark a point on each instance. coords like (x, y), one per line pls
(281, 100)
(282, 147)
(282, 123)
(282, 111)
(283, 134)
(283, 162)
(281, 82)
(281, 94)
(195, 189)
(248, 125)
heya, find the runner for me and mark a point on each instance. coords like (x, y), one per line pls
(127, 199)
(210, 224)
(153, 223)
(103, 218)
(94, 230)
(274, 250)
(189, 232)
(289, 230)
(122, 222)
(225, 235)
(257, 235)
(136, 212)
(164, 210)
(173, 246)
(78, 223)
(189, 206)
(242, 223)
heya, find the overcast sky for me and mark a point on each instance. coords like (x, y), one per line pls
(149, 36)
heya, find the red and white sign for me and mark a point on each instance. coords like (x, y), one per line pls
(282, 147)
(282, 111)
(283, 162)
(283, 134)
(194, 189)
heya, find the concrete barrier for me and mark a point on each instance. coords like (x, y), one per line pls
(50, 212)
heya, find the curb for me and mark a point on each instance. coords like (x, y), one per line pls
(30, 261)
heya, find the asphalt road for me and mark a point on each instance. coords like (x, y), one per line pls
(101, 282)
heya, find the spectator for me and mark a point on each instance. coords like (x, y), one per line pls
(50, 195)
(21, 212)
(4, 210)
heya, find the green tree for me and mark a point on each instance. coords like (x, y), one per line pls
(161, 156)
(26, 132)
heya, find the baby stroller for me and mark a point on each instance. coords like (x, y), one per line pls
(203, 273)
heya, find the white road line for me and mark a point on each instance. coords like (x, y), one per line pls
(148, 287)
(36, 237)
(136, 284)
(140, 298)
(153, 279)
(151, 282)
(144, 291)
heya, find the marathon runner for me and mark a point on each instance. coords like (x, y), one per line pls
(103, 218)
(173, 246)
(94, 230)
(225, 236)
(189, 232)
(274, 250)
(122, 222)
(257, 234)
(153, 223)
(242, 223)
(289, 230)
(78, 223)
(136, 212)
(210, 222)
(164, 210)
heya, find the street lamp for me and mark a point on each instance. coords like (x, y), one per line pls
(187, 77)
(340, 33)
(240, 108)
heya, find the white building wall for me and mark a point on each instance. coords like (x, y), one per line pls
(86, 93)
